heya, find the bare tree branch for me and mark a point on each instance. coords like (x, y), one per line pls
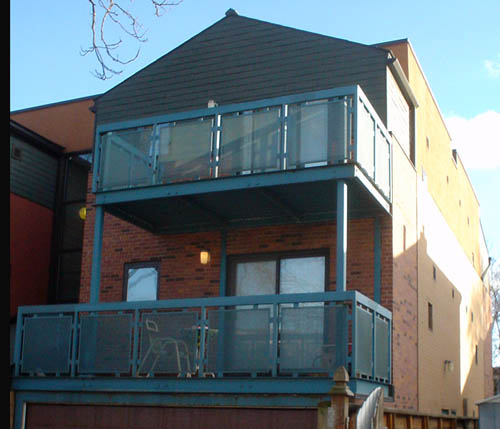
(495, 304)
(111, 16)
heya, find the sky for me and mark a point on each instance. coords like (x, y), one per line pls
(457, 43)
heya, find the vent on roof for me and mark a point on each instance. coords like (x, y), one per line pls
(231, 12)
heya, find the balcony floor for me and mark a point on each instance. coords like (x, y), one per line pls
(294, 196)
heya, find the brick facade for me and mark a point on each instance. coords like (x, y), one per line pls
(182, 275)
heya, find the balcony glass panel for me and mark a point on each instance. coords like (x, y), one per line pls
(127, 158)
(184, 150)
(289, 132)
(316, 133)
(250, 142)
(366, 141)
(382, 162)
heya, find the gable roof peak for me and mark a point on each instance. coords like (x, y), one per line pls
(231, 12)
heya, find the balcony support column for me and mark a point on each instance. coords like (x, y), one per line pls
(341, 235)
(223, 263)
(377, 263)
(96, 255)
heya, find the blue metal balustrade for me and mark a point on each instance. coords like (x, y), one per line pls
(259, 337)
(294, 132)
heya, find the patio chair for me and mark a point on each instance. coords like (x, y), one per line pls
(163, 347)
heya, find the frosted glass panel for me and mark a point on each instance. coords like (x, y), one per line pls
(250, 142)
(382, 163)
(302, 275)
(126, 158)
(307, 133)
(255, 278)
(317, 133)
(184, 150)
(366, 139)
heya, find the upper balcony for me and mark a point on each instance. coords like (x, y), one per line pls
(284, 152)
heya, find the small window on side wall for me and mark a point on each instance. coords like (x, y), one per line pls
(141, 281)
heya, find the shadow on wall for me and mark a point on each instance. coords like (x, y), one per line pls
(454, 327)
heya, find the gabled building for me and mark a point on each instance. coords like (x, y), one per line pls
(266, 205)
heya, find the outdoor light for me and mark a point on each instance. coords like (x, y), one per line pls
(204, 257)
(448, 364)
(82, 213)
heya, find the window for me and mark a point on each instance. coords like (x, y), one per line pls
(430, 316)
(304, 329)
(141, 281)
(278, 273)
(434, 273)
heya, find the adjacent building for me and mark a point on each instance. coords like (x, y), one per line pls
(265, 205)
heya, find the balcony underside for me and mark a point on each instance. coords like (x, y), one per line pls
(295, 196)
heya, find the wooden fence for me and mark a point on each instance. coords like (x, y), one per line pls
(397, 419)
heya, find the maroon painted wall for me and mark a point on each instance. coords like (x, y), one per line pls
(99, 417)
(30, 245)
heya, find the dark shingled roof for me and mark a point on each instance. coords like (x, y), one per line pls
(242, 59)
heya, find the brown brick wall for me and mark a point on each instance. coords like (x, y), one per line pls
(182, 276)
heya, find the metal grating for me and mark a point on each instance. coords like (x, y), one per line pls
(46, 344)
(105, 343)
(364, 343)
(169, 342)
(310, 340)
(382, 363)
(239, 341)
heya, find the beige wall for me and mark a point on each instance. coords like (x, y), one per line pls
(447, 236)
(69, 124)
(447, 180)
(405, 298)
(461, 316)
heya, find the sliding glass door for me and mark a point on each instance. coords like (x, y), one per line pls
(302, 328)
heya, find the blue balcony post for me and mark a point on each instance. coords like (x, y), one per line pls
(377, 255)
(96, 255)
(341, 235)
(223, 263)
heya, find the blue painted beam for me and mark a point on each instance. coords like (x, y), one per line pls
(247, 386)
(95, 278)
(307, 175)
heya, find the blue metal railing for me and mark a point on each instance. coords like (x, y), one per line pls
(306, 130)
(255, 336)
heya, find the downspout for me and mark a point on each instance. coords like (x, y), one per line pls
(486, 269)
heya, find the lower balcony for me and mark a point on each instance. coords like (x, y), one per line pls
(264, 344)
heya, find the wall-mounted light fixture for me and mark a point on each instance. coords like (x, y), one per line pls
(82, 213)
(448, 365)
(204, 257)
